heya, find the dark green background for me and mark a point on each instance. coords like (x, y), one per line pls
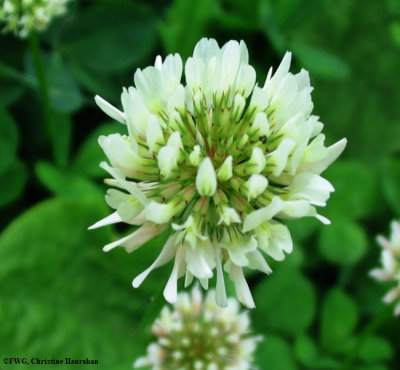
(61, 296)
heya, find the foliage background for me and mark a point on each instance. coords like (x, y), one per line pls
(61, 296)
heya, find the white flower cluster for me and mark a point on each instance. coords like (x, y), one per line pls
(200, 335)
(22, 16)
(390, 259)
(218, 160)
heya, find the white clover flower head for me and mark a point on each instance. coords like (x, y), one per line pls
(198, 334)
(23, 16)
(219, 160)
(390, 260)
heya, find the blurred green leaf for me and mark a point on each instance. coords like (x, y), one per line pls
(90, 153)
(269, 24)
(371, 367)
(57, 299)
(96, 83)
(10, 91)
(395, 33)
(343, 242)
(285, 302)
(109, 36)
(238, 15)
(65, 183)
(61, 137)
(283, 9)
(339, 318)
(306, 351)
(181, 19)
(303, 228)
(375, 349)
(321, 62)
(355, 190)
(8, 140)
(65, 95)
(275, 353)
(12, 182)
(391, 184)
(11, 79)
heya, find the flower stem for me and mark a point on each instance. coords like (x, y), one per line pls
(369, 329)
(42, 85)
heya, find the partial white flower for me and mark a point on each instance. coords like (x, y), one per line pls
(197, 334)
(23, 16)
(219, 160)
(390, 265)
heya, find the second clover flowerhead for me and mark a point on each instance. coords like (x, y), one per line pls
(23, 16)
(219, 160)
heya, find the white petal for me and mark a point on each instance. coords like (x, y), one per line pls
(229, 215)
(167, 252)
(256, 162)
(127, 185)
(159, 213)
(154, 134)
(135, 240)
(167, 160)
(257, 262)
(111, 219)
(206, 179)
(256, 185)
(196, 263)
(158, 62)
(279, 157)
(109, 109)
(171, 289)
(195, 156)
(120, 153)
(238, 250)
(242, 289)
(261, 215)
(220, 291)
(225, 171)
(392, 295)
(311, 187)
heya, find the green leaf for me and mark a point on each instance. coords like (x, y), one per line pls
(96, 83)
(355, 190)
(391, 184)
(109, 36)
(8, 140)
(339, 318)
(375, 349)
(275, 353)
(285, 302)
(10, 91)
(12, 182)
(64, 91)
(11, 79)
(395, 33)
(90, 153)
(321, 62)
(343, 242)
(61, 137)
(182, 20)
(303, 228)
(57, 297)
(305, 350)
(62, 182)
(269, 24)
